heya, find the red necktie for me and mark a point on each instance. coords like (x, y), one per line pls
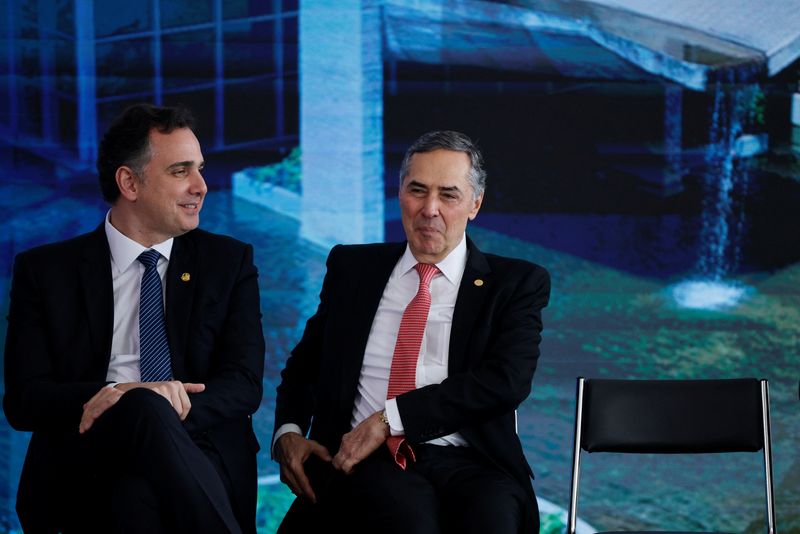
(402, 376)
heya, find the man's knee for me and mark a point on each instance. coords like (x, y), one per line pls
(502, 510)
(143, 403)
(384, 498)
(139, 414)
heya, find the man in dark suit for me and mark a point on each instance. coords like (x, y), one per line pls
(440, 453)
(139, 398)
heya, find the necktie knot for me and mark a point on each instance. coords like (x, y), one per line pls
(149, 258)
(426, 273)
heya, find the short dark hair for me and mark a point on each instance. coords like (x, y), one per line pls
(449, 140)
(127, 141)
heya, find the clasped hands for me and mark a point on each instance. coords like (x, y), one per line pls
(292, 450)
(176, 393)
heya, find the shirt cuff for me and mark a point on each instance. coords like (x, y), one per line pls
(284, 429)
(393, 415)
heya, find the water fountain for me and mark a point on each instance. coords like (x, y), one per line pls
(726, 183)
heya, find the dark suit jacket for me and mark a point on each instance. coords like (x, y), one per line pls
(494, 346)
(59, 340)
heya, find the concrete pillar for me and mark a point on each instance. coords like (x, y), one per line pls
(46, 18)
(12, 119)
(85, 78)
(158, 79)
(341, 121)
(278, 84)
(219, 78)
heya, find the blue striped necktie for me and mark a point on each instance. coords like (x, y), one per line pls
(155, 364)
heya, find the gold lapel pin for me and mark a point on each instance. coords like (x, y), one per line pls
(478, 282)
(185, 277)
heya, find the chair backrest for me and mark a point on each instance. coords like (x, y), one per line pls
(672, 416)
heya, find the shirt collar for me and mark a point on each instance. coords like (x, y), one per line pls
(125, 251)
(452, 266)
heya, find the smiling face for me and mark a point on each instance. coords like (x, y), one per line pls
(436, 202)
(165, 201)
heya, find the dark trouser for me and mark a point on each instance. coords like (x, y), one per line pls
(448, 489)
(148, 474)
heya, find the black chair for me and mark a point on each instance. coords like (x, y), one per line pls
(672, 416)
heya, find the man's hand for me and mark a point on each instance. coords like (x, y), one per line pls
(97, 405)
(291, 451)
(176, 393)
(360, 442)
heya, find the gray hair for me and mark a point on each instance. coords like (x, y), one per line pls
(449, 140)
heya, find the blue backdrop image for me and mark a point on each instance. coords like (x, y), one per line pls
(648, 155)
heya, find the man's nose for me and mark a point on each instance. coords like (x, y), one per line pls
(198, 185)
(431, 206)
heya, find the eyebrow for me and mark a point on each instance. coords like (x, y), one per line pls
(184, 164)
(450, 188)
(447, 188)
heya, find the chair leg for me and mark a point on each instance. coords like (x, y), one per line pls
(572, 516)
(770, 512)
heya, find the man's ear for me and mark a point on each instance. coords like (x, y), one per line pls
(476, 207)
(128, 182)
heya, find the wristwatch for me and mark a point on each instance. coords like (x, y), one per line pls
(384, 418)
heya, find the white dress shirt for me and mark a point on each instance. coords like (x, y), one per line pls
(126, 276)
(435, 351)
(402, 286)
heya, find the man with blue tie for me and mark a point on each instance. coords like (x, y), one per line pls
(135, 353)
(396, 411)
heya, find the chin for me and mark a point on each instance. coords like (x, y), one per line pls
(430, 252)
(185, 229)
(191, 224)
(431, 247)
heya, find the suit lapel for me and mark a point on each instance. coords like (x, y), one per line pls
(98, 298)
(475, 285)
(370, 289)
(181, 280)
(370, 283)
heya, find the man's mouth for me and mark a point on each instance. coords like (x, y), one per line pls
(190, 205)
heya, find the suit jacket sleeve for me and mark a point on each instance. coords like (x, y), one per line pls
(37, 395)
(231, 362)
(496, 373)
(296, 395)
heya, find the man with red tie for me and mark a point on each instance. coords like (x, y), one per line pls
(407, 378)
